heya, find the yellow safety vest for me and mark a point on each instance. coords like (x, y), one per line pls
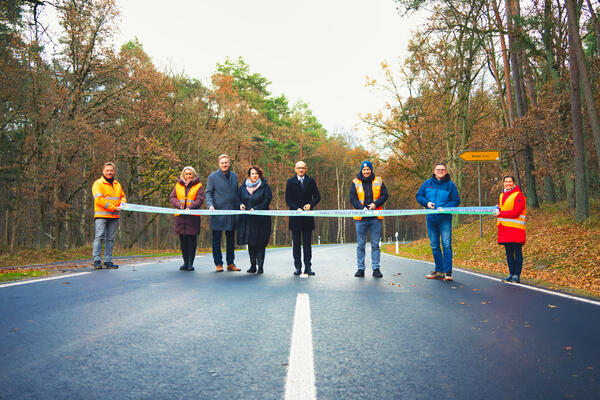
(107, 198)
(191, 195)
(376, 185)
(508, 205)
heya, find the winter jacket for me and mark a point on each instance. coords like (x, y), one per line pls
(366, 184)
(107, 198)
(511, 220)
(255, 230)
(221, 193)
(297, 196)
(187, 224)
(442, 193)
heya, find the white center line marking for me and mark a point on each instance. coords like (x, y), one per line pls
(535, 288)
(43, 279)
(300, 382)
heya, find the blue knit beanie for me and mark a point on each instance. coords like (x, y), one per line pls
(366, 163)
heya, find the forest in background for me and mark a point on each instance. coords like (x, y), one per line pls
(519, 76)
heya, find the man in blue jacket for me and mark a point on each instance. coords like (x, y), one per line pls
(439, 191)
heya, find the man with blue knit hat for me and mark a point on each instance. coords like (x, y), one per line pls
(368, 192)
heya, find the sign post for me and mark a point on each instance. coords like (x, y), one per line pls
(480, 156)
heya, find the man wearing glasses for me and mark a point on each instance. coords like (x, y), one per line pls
(302, 194)
(439, 191)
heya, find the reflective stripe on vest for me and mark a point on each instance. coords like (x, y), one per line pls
(508, 205)
(376, 185)
(191, 195)
(106, 213)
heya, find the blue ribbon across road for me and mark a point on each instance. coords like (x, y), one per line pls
(313, 213)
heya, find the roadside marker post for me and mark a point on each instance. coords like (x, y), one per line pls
(480, 156)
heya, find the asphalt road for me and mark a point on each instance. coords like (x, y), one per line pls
(151, 331)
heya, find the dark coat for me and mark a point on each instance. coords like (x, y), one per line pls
(368, 189)
(442, 193)
(187, 224)
(255, 230)
(221, 193)
(297, 197)
(507, 234)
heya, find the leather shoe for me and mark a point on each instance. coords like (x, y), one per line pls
(232, 267)
(377, 273)
(360, 273)
(183, 268)
(260, 270)
(309, 271)
(190, 268)
(298, 271)
(251, 270)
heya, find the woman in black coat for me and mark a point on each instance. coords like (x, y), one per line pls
(255, 230)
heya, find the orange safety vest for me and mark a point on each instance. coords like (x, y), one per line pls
(191, 196)
(509, 204)
(376, 185)
(107, 198)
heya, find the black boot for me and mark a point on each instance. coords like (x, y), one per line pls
(252, 268)
(260, 260)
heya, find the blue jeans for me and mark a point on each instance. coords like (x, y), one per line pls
(373, 227)
(436, 230)
(105, 230)
(514, 257)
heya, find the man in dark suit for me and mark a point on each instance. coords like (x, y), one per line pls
(301, 193)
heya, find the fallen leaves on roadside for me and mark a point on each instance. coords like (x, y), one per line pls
(14, 330)
(552, 306)
(66, 283)
(568, 348)
(476, 290)
(484, 302)
(461, 302)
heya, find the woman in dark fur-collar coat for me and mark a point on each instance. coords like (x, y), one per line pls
(255, 230)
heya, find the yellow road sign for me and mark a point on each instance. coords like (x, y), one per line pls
(480, 155)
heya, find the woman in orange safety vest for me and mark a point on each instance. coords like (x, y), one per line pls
(511, 216)
(188, 194)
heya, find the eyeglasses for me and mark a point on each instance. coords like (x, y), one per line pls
(440, 169)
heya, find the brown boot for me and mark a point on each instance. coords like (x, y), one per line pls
(219, 268)
(232, 267)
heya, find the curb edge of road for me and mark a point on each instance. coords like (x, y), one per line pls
(584, 299)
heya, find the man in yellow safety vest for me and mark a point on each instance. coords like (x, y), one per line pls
(108, 199)
(368, 192)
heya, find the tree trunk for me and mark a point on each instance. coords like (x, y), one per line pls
(516, 61)
(509, 91)
(548, 181)
(582, 208)
(579, 59)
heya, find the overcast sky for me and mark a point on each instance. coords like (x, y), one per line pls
(318, 51)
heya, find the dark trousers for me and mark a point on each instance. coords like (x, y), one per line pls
(301, 237)
(188, 245)
(229, 244)
(257, 256)
(514, 257)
